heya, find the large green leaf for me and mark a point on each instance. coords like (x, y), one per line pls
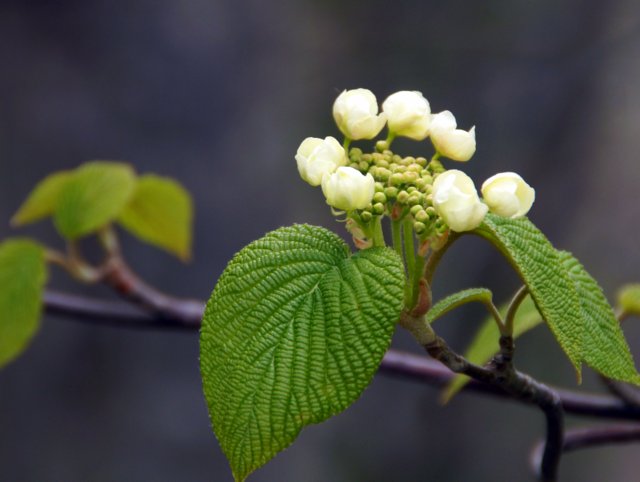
(293, 333)
(486, 344)
(42, 200)
(160, 213)
(445, 305)
(539, 266)
(605, 348)
(22, 277)
(95, 194)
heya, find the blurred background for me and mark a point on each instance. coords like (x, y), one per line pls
(219, 94)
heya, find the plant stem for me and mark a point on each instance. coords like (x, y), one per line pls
(436, 256)
(409, 258)
(517, 299)
(396, 235)
(378, 234)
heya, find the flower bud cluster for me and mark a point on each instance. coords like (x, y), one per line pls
(369, 185)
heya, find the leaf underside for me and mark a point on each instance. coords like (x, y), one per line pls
(293, 333)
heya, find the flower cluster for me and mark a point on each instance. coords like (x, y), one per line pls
(368, 186)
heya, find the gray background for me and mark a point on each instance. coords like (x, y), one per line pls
(218, 94)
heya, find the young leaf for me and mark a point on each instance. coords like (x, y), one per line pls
(605, 348)
(42, 200)
(539, 266)
(293, 333)
(445, 305)
(160, 213)
(629, 299)
(485, 344)
(94, 195)
(22, 277)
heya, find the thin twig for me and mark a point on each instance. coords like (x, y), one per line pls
(396, 363)
(521, 387)
(580, 438)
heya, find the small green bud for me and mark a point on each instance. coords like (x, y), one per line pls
(403, 197)
(378, 208)
(367, 158)
(355, 151)
(415, 209)
(409, 160)
(363, 166)
(422, 216)
(379, 197)
(382, 163)
(366, 216)
(381, 174)
(413, 167)
(419, 227)
(397, 159)
(381, 146)
(391, 192)
(431, 212)
(411, 189)
(396, 179)
(414, 199)
(421, 161)
(378, 187)
(410, 177)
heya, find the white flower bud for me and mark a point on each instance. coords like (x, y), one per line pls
(348, 189)
(508, 195)
(356, 113)
(450, 142)
(317, 157)
(456, 200)
(408, 114)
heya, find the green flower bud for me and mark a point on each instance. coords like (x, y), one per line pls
(378, 208)
(421, 161)
(396, 179)
(367, 158)
(382, 146)
(410, 177)
(403, 197)
(414, 199)
(379, 187)
(363, 166)
(379, 197)
(366, 216)
(415, 209)
(422, 216)
(391, 192)
(419, 227)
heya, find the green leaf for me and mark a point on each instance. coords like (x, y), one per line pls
(42, 200)
(444, 306)
(293, 333)
(160, 213)
(485, 344)
(94, 195)
(22, 277)
(629, 299)
(539, 266)
(605, 348)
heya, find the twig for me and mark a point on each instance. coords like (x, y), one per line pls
(396, 363)
(519, 386)
(580, 438)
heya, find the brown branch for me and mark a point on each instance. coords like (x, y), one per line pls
(580, 438)
(502, 375)
(396, 363)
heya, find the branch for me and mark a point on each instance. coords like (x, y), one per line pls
(407, 365)
(580, 438)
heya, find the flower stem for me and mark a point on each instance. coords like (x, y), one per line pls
(378, 234)
(396, 235)
(409, 258)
